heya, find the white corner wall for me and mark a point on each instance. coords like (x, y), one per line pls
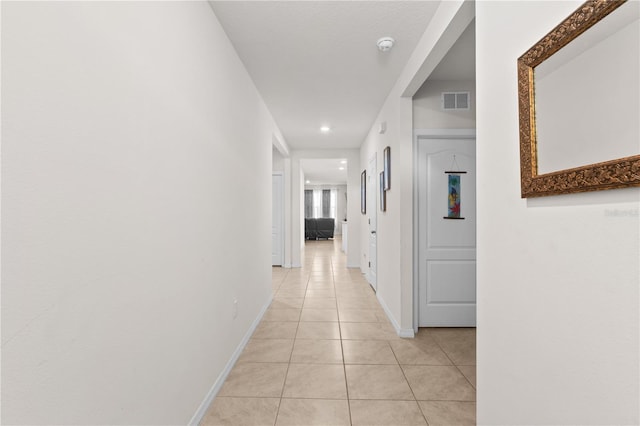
(558, 277)
(427, 106)
(395, 230)
(135, 208)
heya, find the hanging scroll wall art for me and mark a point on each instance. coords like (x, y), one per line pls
(363, 192)
(453, 191)
(387, 168)
(383, 194)
(385, 178)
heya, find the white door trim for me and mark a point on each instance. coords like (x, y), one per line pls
(282, 212)
(419, 134)
(372, 213)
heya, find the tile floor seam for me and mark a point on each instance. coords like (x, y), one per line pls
(284, 384)
(409, 383)
(319, 273)
(453, 363)
(344, 367)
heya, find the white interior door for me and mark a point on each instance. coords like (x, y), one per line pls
(372, 215)
(447, 247)
(277, 219)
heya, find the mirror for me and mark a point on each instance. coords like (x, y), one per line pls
(579, 99)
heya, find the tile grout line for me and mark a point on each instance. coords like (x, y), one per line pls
(457, 367)
(344, 366)
(286, 374)
(408, 383)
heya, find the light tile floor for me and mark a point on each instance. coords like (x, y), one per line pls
(326, 354)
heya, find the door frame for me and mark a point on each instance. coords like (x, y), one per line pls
(282, 213)
(418, 135)
(372, 206)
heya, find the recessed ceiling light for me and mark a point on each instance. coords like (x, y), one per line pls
(308, 181)
(325, 129)
(340, 168)
(343, 162)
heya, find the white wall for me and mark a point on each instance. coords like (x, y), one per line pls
(395, 229)
(558, 277)
(277, 161)
(123, 243)
(427, 107)
(341, 209)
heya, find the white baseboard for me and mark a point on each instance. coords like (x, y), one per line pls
(402, 332)
(217, 385)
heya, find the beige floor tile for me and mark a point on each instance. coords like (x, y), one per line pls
(322, 412)
(275, 330)
(296, 354)
(296, 279)
(377, 382)
(267, 350)
(320, 303)
(255, 380)
(355, 290)
(357, 303)
(441, 413)
(358, 315)
(315, 381)
(319, 271)
(287, 303)
(282, 315)
(391, 413)
(438, 383)
(344, 279)
(367, 352)
(326, 293)
(416, 352)
(318, 315)
(293, 285)
(318, 330)
(458, 343)
(317, 352)
(291, 292)
(469, 371)
(366, 331)
(382, 317)
(320, 285)
(226, 411)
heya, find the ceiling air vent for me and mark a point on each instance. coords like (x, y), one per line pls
(455, 101)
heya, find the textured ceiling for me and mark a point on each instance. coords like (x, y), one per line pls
(316, 62)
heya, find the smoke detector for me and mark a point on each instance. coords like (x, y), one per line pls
(385, 43)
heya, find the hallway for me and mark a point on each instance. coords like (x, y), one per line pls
(325, 354)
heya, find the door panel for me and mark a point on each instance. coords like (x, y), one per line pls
(447, 247)
(451, 281)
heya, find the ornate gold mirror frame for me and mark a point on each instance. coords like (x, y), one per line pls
(622, 172)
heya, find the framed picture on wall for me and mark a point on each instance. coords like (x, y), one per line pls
(383, 193)
(363, 192)
(387, 168)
